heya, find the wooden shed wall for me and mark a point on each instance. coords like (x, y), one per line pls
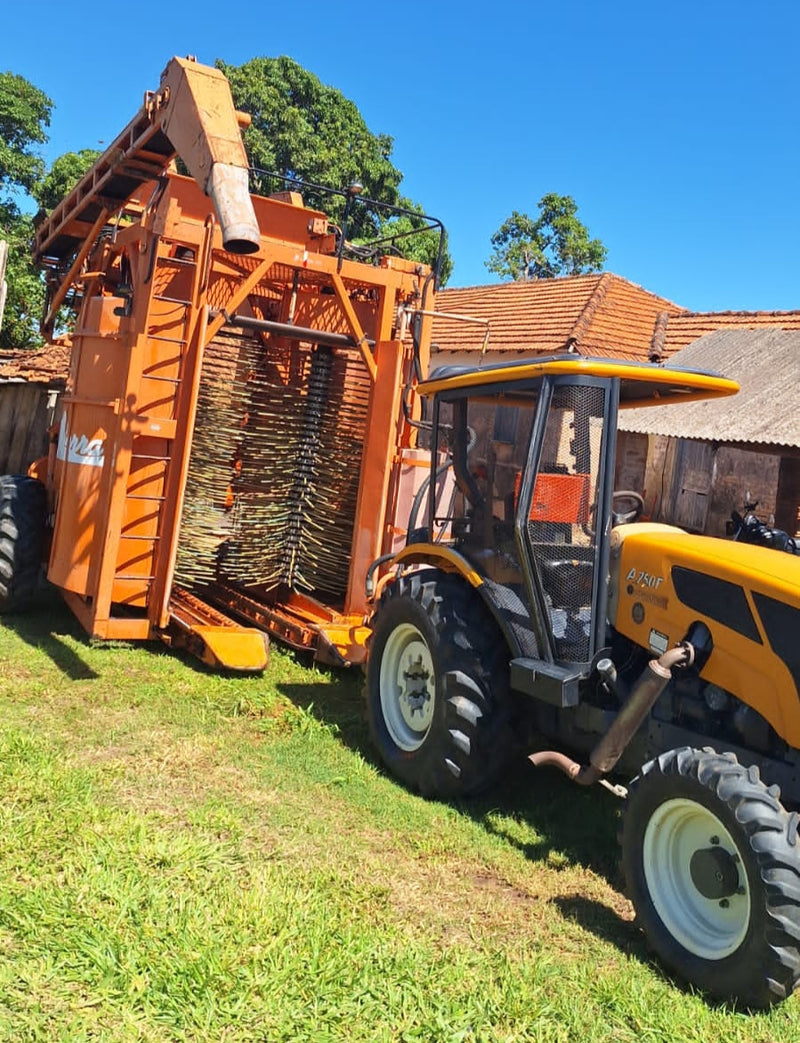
(739, 472)
(787, 505)
(696, 485)
(26, 412)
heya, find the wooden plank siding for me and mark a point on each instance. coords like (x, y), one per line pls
(697, 484)
(787, 504)
(692, 475)
(26, 414)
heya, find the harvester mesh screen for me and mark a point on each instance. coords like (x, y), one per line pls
(275, 466)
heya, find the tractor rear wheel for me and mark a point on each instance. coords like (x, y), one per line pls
(437, 690)
(23, 503)
(712, 864)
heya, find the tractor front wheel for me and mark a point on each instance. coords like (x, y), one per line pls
(712, 863)
(23, 503)
(437, 688)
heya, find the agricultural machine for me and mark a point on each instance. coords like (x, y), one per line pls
(251, 445)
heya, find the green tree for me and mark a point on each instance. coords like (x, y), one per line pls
(555, 243)
(25, 300)
(62, 176)
(24, 115)
(303, 129)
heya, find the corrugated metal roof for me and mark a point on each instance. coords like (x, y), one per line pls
(766, 363)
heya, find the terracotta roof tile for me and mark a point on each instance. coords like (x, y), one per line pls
(678, 330)
(49, 365)
(601, 314)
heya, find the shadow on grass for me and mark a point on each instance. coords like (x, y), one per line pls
(568, 820)
(339, 706)
(604, 922)
(45, 626)
(569, 824)
(48, 621)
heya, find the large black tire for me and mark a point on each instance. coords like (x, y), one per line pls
(438, 698)
(712, 864)
(23, 505)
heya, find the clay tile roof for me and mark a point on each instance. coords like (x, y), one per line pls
(602, 315)
(675, 331)
(49, 365)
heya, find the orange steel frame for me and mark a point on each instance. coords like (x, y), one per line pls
(154, 298)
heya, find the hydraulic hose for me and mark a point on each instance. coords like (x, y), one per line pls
(369, 584)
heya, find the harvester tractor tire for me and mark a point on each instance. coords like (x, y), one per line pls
(23, 505)
(712, 864)
(437, 690)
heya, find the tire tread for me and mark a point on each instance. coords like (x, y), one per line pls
(22, 524)
(474, 737)
(769, 831)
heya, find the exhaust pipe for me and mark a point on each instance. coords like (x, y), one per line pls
(609, 749)
(228, 189)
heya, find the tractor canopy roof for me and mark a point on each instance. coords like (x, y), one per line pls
(641, 383)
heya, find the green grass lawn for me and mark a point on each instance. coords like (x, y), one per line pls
(189, 856)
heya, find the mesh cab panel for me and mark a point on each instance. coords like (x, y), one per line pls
(561, 528)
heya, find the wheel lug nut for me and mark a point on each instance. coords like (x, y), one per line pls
(715, 840)
(724, 903)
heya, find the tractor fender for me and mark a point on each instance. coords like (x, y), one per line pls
(448, 560)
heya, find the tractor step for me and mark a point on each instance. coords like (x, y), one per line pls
(548, 682)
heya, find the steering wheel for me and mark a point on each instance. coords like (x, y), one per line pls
(632, 515)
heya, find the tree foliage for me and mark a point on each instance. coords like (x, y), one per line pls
(25, 300)
(62, 177)
(303, 129)
(555, 243)
(24, 115)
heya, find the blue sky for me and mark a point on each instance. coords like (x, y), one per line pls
(673, 124)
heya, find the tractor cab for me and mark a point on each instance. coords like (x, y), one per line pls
(528, 514)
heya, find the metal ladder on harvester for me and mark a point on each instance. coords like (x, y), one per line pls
(138, 516)
(167, 396)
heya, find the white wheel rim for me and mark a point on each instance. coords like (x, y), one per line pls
(709, 927)
(408, 687)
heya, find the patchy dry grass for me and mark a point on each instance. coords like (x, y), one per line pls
(188, 856)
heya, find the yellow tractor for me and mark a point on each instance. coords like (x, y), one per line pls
(529, 594)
